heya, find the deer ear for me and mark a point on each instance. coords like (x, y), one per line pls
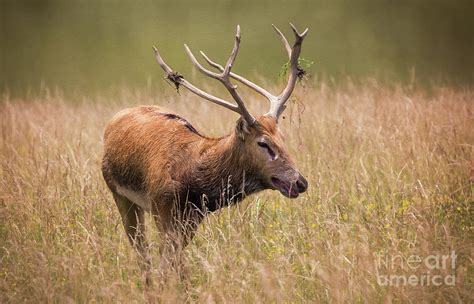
(242, 128)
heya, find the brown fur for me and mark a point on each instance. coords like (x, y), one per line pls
(183, 174)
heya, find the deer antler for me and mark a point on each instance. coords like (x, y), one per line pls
(277, 103)
(223, 77)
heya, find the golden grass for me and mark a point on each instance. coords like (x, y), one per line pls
(389, 173)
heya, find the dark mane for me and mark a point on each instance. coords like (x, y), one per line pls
(184, 122)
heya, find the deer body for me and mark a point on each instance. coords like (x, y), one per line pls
(159, 158)
(158, 162)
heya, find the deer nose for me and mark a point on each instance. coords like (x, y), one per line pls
(302, 184)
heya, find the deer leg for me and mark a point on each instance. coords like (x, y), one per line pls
(133, 219)
(183, 235)
(177, 232)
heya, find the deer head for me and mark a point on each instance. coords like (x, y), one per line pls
(260, 139)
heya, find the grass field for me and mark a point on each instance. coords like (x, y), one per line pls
(391, 176)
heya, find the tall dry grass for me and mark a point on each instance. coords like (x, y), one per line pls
(389, 173)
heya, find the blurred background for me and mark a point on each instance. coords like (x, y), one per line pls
(91, 46)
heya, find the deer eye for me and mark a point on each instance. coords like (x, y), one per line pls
(267, 147)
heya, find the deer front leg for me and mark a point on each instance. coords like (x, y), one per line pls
(177, 230)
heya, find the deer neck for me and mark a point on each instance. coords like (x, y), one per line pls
(224, 174)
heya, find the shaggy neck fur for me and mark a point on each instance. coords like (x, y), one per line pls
(223, 175)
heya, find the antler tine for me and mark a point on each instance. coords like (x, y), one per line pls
(161, 62)
(179, 80)
(233, 55)
(283, 39)
(229, 86)
(239, 78)
(277, 103)
(225, 72)
(199, 66)
(278, 106)
(212, 63)
(224, 76)
(298, 35)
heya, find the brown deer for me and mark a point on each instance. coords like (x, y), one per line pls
(158, 162)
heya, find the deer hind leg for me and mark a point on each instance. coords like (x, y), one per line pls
(176, 233)
(133, 219)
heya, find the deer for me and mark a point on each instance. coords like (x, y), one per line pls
(157, 162)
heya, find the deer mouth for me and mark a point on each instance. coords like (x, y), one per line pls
(286, 188)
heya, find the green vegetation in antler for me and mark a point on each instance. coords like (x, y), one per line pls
(303, 63)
